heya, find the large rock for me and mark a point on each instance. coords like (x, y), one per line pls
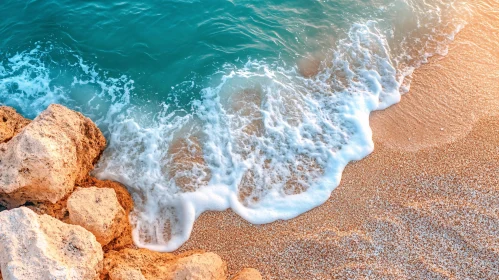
(248, 274)
(45, 160)
(11, 123)
(145, 264)
(98, 211)
(40, 247)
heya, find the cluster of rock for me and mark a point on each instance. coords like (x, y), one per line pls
(57, 222)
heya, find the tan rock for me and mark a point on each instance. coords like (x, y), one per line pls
(153, 265)
(98, 211)
(40, 247)
(126, 274)
(11, 123)
(125, 199)
(248, 274)
(207, 266)
(45, 160)
(59, 210)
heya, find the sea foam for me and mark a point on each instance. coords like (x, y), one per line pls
(264, 141)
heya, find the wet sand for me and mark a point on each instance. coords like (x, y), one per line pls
(424, 204)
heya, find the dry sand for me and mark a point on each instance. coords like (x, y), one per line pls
(424, 204)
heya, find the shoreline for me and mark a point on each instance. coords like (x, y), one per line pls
(422, 204)
(75, 226)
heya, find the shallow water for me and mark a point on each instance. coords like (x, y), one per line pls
(207, 105)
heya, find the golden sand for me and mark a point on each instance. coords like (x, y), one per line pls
(424, 204)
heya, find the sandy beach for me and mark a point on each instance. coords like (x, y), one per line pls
(424, 204)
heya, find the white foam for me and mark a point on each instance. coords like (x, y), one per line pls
(30, 81)
(312, 129)
(25, 83)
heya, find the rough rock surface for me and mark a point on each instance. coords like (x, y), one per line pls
(40, 247)
(248, 274)
(191, 265)
(126, 274)
(207, 266)
(98, 211)
(60, 211)
(11, 123)
(45, 160)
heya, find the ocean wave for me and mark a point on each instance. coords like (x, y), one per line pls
(263, 139)
(265, 142)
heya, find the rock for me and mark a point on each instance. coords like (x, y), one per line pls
(98, 211)
(309, 66)
(11, 123)
(59, 210)
(40, 247)
(126, 201)
(153, 265)
(248, 274)
(207, 266)
(126, 274)
(45, 160)
(130, 261)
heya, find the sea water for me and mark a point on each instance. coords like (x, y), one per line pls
(207, 105)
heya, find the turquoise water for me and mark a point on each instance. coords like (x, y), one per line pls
(207, 105)
(160, 44)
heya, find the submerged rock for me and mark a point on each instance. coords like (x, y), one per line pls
(40, 247)
(45, 160)
(11, 123)
(188, 167)
(309, 66)
(248, 274)
(145, 264)
(98, 211)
